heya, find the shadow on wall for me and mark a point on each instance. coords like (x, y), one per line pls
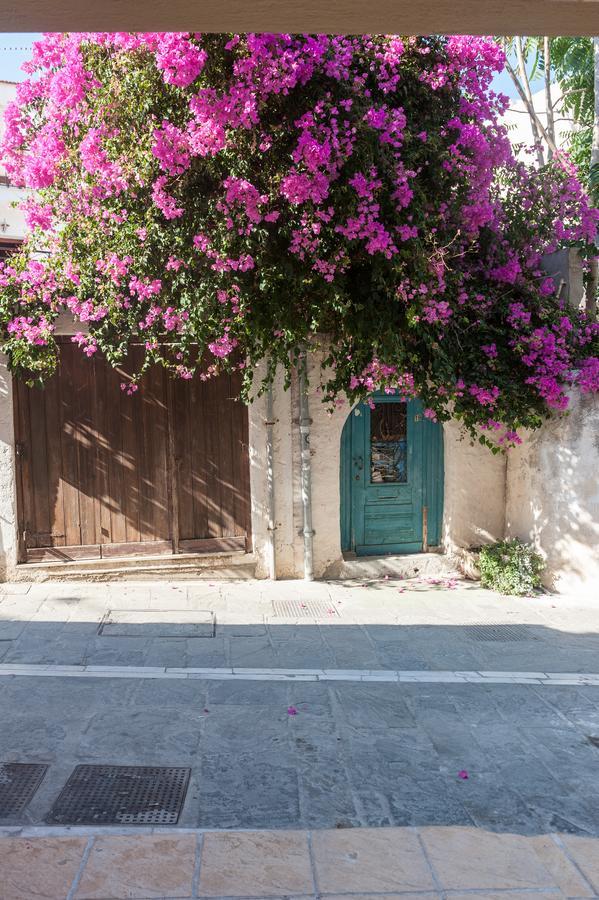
(475, 492)
(553, 495)
(100, 467)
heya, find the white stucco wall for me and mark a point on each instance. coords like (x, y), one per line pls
(8, 499)
(553, 496)
(325, 445)
(475, 486)
(285, 537)
(474, 506)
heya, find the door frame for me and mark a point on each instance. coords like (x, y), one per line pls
(430, 445)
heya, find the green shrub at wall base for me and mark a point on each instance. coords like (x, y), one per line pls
(510, 567)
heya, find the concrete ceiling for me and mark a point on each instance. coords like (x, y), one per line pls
(333, 16)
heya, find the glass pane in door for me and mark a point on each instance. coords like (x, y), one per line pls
(388, 443)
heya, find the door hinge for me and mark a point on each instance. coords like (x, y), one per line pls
(19, 449)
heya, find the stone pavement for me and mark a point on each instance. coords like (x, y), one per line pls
(355, 864)
(353, 754)
(357, 767)
(431, 624)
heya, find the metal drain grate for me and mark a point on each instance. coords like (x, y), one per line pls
(304, 609)
(18, 784)
(121, 795)
(499, 632)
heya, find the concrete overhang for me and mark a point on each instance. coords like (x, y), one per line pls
(549, 17)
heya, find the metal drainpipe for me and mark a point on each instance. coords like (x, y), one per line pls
(270, 484)
(306, 466)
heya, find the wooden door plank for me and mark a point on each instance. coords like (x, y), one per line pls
(182, 394)
(172, 465)
(68, 450)
(241, 459)
(83, 425)
(154, 520)
(41, 525)
(103, 436)
(132, 442)
(215, 440)
(199, 462)
(116, 491)
(235, 544)
(63, 554)
(54, 463)
(226, 474)
(136, 548)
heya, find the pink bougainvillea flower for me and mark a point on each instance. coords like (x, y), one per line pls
(291, 711)
(463, 774)
(247, 193)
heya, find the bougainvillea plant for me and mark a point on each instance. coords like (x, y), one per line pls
(229, 198)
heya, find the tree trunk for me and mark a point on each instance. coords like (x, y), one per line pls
(536, 132)
(548, 100)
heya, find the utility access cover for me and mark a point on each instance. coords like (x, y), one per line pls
(153, 623)
(494, 631)
(121, 795)
(304, 609)
(18, 784)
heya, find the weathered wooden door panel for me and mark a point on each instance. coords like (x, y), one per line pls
(93, 461)
(212, 462)
(102, 473)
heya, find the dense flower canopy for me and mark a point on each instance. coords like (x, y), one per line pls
(226, 198)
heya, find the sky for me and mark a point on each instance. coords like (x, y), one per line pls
(15, 49)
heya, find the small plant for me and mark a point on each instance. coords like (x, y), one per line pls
(510, 567)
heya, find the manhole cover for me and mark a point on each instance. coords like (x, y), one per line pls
(499, 632)
(121, 795)
(303, 609)
(18, 784)
(176, 623)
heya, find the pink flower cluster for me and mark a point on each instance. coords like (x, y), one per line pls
(278, 184)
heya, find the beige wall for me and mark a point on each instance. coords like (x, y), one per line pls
(474, 505)
(474, 508)
(553, 496)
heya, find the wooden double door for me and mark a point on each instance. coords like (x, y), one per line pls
(101, 473)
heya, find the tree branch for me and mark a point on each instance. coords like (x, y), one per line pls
(538, 128)
(527, 97)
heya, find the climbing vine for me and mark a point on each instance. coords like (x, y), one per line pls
(230, 198)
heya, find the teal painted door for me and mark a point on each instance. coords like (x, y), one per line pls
(392, 478)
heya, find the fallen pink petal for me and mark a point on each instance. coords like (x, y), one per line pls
(463, 775)
(291, 711)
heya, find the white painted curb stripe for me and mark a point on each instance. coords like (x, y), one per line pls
(388, 676)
